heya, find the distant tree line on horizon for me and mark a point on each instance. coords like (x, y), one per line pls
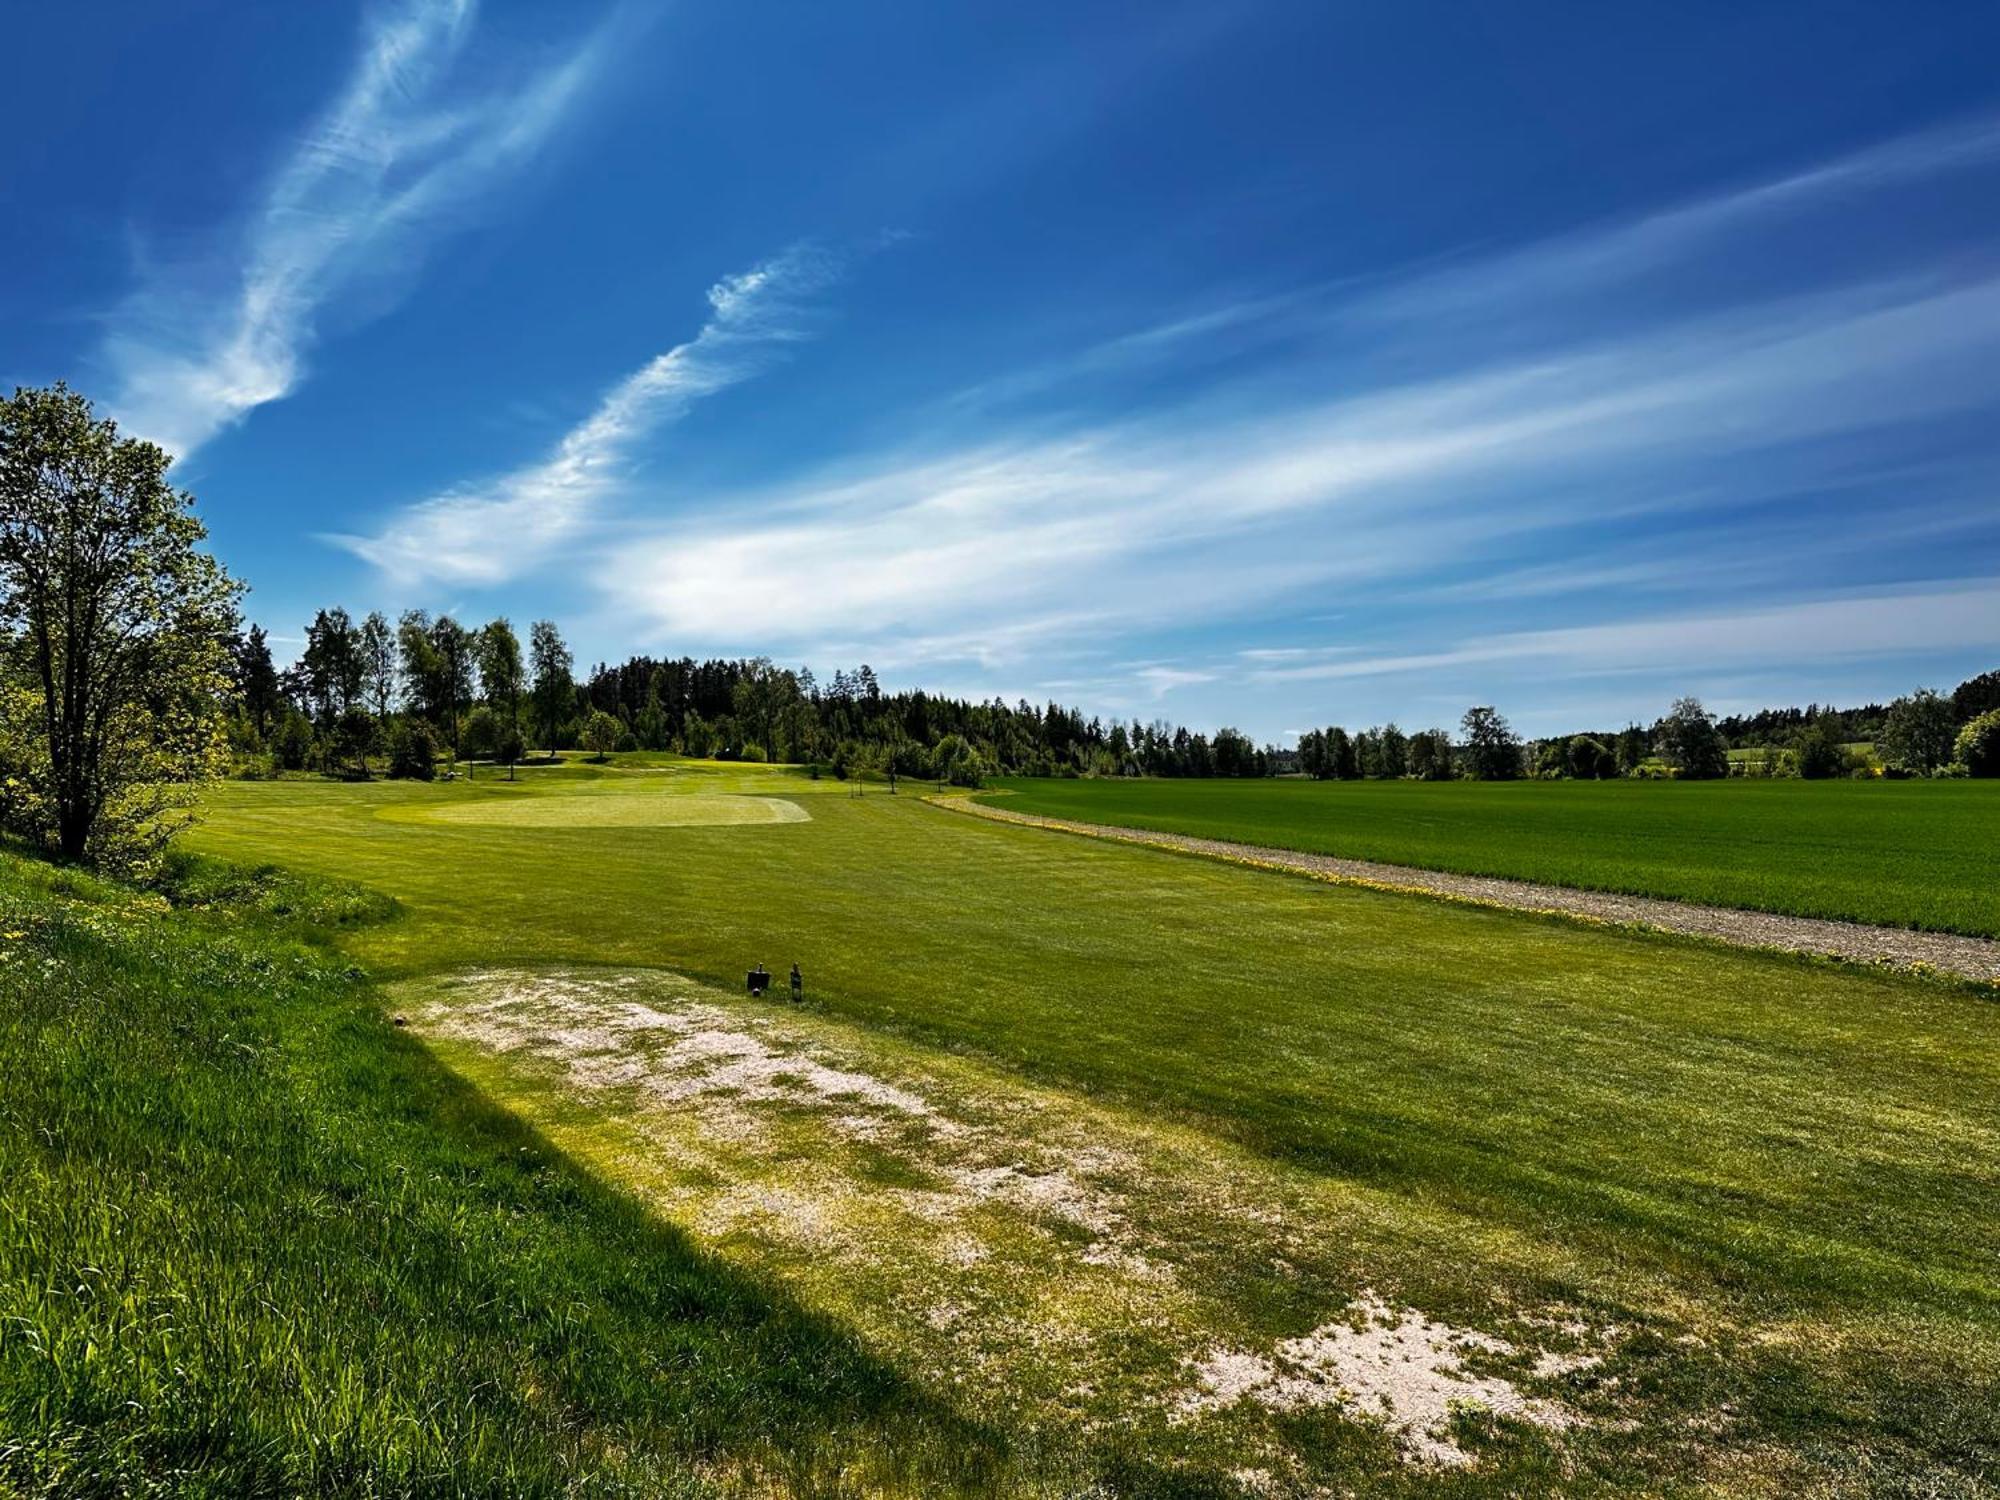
(403, 694)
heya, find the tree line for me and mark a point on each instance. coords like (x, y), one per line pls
(369, 694)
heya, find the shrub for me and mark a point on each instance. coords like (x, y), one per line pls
(412, 751)
(1820, 754)
(481, 735)
(292, 746)
(1978, 747)
(1589, 759)
(753, 753)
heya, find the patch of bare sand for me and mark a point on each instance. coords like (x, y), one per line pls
(1384, 1363)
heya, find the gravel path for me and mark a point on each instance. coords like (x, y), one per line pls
(1898, 947)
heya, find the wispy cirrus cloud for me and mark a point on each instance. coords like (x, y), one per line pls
(404, 151)
(489, 532)
(1149, 525)
(1964, 613)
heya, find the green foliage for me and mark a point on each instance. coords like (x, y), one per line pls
(1430, 755)
(601, 733)
(1978, 745)
(292, 744)
(954, 760)
(1976, 696)
(1588, 759)
(1491, 750)
(412, 750)
(255, 1241)
(554, 687)
(480, 739)
(1820, 754)
(115, 636)
(1693, 746)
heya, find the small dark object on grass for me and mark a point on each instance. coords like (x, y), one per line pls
(759, 980)
(798, 985)
(401, 1021)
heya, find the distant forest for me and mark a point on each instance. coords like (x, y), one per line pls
(372, 695)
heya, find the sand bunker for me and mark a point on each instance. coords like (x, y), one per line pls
(618, 810)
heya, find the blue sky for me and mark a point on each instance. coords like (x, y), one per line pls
(1270, 364)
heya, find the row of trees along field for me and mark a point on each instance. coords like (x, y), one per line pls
(1923, 734)
(370, 694)
(403, 693)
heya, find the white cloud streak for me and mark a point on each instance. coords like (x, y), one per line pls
(1961, 614)
(489, 533)
(1161, 526)
(400, 153)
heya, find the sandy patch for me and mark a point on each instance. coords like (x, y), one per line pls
(1384, 1363)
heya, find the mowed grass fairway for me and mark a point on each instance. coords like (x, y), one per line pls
(1897, 853)
(1143, 1159)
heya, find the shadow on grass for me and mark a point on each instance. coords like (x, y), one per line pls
(255, 1240)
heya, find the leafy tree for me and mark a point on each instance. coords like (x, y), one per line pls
(601, 732)
(1492, 750)
(1589, 759)
(555, 687)
(1340, 752)
(1312, 754)
(1688, 738)
(1233, 753)
(455, 653)
(412, 750)
(1430, 755)
(1976, 696)
(956, 761)
(500, 676)
(355, 735)
(419, 666)
(292, 744)
(1392, 752)
(376, 646)
(332, 663)
(1633, 747)
(1919, 731)
(116, 625)
(1820, 752)
(1978, 747)
(481, 737)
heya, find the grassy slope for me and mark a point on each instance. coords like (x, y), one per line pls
(1802, 1152)
(255, 1241)
(1913, 854)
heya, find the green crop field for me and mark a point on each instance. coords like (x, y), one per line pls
(1899, 853)
(1084, 1169)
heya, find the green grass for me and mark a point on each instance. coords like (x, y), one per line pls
(1899, 853)
(1779, 1177)
(256, 1241)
